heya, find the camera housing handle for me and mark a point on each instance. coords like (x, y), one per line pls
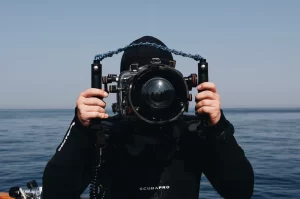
(202, 77)
(96, 82)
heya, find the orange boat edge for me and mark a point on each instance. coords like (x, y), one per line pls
(4, 195)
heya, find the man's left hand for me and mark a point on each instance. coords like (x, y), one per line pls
(208, 102)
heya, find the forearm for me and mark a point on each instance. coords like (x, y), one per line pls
(77, 146)
(226, 166)
(68, 172)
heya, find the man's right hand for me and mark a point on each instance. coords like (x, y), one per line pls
(89, 106)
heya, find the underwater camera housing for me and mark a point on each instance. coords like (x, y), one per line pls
(155, 93)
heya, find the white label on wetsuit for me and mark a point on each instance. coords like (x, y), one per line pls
(66, 137)
(154, 188)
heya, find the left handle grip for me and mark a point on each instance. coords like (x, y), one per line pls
(96, 82)
(96, 73)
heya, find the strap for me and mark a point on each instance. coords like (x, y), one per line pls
(100, 57)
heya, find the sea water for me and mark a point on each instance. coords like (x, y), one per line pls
(269, 137)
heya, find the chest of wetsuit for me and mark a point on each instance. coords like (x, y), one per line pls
(147, 163)
(144, 162)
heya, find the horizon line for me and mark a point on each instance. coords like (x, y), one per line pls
(190, 108)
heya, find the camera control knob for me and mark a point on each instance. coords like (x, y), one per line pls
(113, 89)
(112, 78)
(190, 97)
(191, 81)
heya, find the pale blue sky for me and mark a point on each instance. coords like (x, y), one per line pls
(252, 47)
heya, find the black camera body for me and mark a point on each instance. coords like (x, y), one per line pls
(156, 93)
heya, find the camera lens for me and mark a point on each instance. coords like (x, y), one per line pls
(158, 93)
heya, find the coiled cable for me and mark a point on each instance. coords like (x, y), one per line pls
(94, 182)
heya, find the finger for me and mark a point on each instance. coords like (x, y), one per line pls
(92, 92)
(207, 86)
(206, 109)
(98, 109)
(206, 95)
(205, 102)
(93, 101)
(93, 115)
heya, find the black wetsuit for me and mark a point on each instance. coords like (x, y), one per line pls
(141, 162)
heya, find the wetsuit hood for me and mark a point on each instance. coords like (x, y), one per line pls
(143, 54)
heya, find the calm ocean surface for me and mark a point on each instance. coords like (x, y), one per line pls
(270, 138)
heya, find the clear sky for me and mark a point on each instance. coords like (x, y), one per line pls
(47, 47)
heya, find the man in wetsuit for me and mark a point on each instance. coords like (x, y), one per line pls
(143, 161)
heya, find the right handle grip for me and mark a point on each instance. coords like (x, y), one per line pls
(203, 77)
(202, 71)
